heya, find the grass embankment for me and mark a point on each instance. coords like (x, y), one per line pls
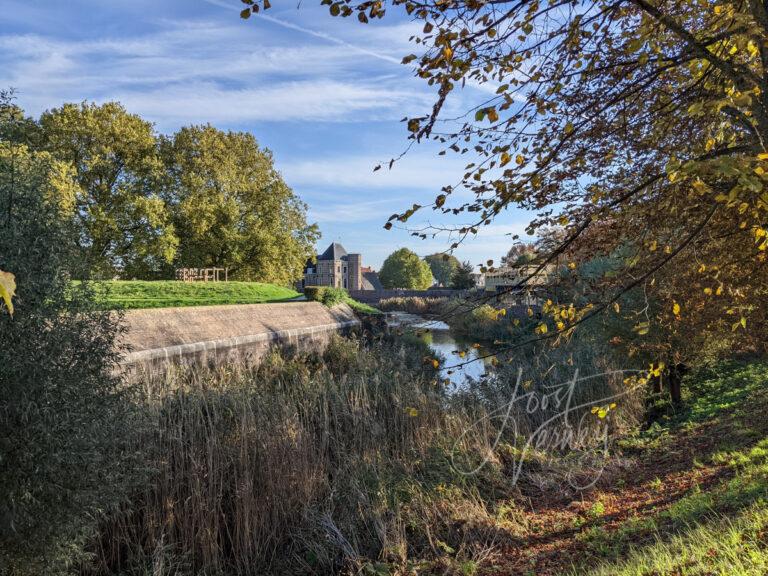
(692, 498)
(698, 504)
(127, 294)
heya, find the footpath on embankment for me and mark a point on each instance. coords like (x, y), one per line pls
(229, 332)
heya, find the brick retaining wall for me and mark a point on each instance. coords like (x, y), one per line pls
(203, 334)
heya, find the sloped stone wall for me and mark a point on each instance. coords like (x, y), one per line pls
(209, 334)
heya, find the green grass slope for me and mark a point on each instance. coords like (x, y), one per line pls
(128, 294)
(706, 510)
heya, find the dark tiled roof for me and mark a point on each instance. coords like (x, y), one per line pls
(371, 281)
(334, 252)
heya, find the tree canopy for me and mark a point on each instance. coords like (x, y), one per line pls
(404, 269)
(462, 278)
(143, 203)
(124, 225)
(442, 266)
(232, 208)
(634, 123)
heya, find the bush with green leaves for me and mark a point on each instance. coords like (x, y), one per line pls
(64, 412)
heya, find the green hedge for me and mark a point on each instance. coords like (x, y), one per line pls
(330, 296)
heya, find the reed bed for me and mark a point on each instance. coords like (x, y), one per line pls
(316, 464)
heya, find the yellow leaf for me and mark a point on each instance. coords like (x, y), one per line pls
(462, 354)
(708, 291)
(762, 156)
(642, 328)
(572, 265)
(719, 290)
(411, 411)
(542, 328)
(435, 363)
(520, 159)
(447, 52)
(676, 309)
(560, 326)
(7, 289)
(505, 158)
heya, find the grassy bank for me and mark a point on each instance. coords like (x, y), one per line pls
(698, 501)
(127, 294)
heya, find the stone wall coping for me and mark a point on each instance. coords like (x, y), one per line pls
(181, 350)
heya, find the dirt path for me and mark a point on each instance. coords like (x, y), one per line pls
(563, 534)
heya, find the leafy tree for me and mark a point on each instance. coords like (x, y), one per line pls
(404, 269)
(65, 416)
(462, 278)
(442, 267)
(232, 208)
(519, 254)
(124, 226)
(644, 119)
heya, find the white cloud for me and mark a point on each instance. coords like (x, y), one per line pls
(203, 71)
(420, 170)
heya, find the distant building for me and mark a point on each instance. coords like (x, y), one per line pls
(371, 279)
(335, 267)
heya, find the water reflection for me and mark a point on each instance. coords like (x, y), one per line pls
(438, 336)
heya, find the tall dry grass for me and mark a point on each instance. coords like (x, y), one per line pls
(314, 465)
(414, 305)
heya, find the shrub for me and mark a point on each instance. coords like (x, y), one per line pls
(64, 417)
(331, 296)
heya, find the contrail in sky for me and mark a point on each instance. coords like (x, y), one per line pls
(308, 31)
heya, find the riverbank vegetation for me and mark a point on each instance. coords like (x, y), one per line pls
(128, 294)
(422, 306)
(331, 296)
(353, 459)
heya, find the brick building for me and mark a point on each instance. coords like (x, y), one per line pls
(335, 267)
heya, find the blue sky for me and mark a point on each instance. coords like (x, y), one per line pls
(325, 95)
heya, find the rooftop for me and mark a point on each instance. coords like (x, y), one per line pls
(334, 252)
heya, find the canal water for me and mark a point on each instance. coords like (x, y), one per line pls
(437, 334)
